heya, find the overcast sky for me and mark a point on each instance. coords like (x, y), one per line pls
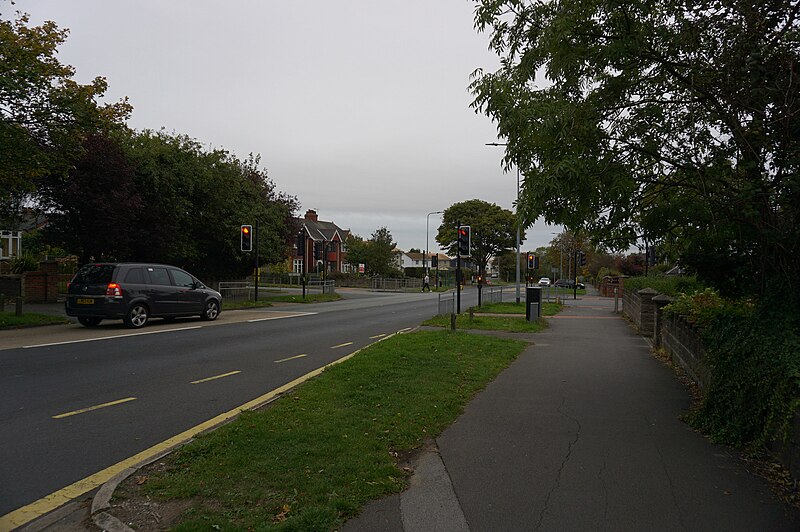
(358, 108)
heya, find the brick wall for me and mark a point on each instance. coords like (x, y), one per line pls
(682, 341)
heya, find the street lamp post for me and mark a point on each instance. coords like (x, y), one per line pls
(427, 230)
(518, 224)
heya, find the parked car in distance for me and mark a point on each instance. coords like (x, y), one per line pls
(568, 283)
(544, 281)
(135, 292)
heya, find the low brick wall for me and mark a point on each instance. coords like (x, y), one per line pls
(640, 309)
(632, 307)
(682, 341)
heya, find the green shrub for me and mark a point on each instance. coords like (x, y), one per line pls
(755, 384)
(702, 306)
(24, 263)
(671, 286)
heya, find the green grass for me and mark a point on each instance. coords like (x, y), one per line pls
(310, 298)
(490, 323)
(313, 458)
(28, 319)
(548, 309)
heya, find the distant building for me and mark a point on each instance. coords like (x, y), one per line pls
(320, 246)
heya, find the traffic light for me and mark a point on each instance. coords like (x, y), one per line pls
(464, 241)
(531, 261)
(247, 237)
(434, 261)
(582, 258)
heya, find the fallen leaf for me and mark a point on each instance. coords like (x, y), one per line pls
(141, 479)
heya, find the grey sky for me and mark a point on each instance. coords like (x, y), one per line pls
(358, 108)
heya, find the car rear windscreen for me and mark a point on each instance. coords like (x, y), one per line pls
(94, 274)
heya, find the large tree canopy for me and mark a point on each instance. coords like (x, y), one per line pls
(493, 229)
(44, 114)
(674, 120)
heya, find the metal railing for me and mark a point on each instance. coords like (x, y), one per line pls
(384, 284)
(447, 304)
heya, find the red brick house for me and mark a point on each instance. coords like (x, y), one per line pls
(320, 246)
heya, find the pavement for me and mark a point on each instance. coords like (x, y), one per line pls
(581, 432)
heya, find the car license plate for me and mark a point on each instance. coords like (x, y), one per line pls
(85, 301)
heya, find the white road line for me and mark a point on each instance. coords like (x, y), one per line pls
(280, 317)
(112, 337)
(95, 407)
(290, 358)
(341, 345)
(377, 336)
(216, 377)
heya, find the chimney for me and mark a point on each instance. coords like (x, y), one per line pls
(311, 215)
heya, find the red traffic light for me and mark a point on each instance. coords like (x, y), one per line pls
(246, 230)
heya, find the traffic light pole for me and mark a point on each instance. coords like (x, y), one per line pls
(458, 268)
(256, 275)
(575, 286)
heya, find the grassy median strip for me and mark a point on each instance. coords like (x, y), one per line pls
(548, 309)
(28, 319)
(514, 322)
(314, 457)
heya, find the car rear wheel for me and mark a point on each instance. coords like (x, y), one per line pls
(211, 310)
(89, 322)
(136, 318)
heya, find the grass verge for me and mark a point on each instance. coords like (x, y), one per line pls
(490, 323)
(548, 309)
(10, 320)
(314, 457)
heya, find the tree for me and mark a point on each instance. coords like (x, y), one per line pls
(377, 253)
(92, 209)
(673, 121)
(196, 201)
(44, 114)
(493, 229)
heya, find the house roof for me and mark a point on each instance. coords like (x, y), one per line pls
(327, 231)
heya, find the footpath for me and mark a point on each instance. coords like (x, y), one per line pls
(581, 432)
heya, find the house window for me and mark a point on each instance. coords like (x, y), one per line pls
(297, 266)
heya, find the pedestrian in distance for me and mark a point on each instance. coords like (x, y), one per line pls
(426, 283)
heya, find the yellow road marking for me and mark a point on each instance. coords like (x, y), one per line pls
(290, 358)
(377, 336)
(89, 409)
(216, 377)
(341, 345)
(26, 514)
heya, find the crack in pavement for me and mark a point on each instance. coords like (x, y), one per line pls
(666, 473)
(563, 463)
(605, 489)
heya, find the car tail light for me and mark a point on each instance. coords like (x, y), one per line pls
(113, 290)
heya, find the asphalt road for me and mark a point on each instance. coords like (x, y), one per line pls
(54, 380)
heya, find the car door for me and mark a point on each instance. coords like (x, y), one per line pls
(190, 298)
(162, 295)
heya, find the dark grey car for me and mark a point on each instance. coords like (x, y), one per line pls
(135, 292)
